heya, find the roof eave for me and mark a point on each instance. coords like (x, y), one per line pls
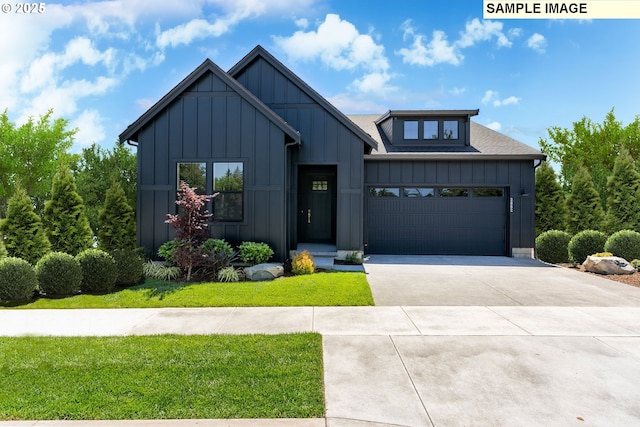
(449, 156)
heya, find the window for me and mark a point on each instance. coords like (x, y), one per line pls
(419, 192)
(488, 192)
(411, 129)
(228, 181)
(430, 128)
(319, 185)
(194, 174)
(450, 129)
(384, 192)
(454, 192)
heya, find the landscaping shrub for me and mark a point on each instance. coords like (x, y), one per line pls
(167, 249)
(59, 274)
(552, 246)
(602, 254)
(624, 244)
(255, 253)
(99, 271)
(228, 274)
(161, 272)
(129, 266)
(635, 264)
(586, 243)
(18, 280)
(217, 246)
(302, 263)
(117, 221)
(3, 250)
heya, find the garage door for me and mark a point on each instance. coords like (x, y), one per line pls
(437, 220)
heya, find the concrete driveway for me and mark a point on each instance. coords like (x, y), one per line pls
(488, 281)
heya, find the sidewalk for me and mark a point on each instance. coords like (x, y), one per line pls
(415, 366)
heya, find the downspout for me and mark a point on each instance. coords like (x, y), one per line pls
(285, 211)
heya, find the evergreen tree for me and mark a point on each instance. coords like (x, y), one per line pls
(22, 229)
(66, 222)
(117, 223)
(623, 195)
(584, 209)
(551, 212)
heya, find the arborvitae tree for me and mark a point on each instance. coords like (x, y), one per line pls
(584, 210)
(22, 229)
(66, 222)
(117, 223)
(550, 213)
(623, 195)
(3, 250)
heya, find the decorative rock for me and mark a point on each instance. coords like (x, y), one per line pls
(264, 272)
(607, 265)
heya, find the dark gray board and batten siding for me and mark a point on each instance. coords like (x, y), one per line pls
(211, 122)
(326, 141)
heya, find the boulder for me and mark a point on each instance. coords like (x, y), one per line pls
(264, 272)
(607, 265)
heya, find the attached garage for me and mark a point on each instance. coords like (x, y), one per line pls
(437, 220)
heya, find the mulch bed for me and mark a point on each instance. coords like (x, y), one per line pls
(629, 279)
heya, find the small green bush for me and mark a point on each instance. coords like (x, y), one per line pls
(552, 246)
(129, 266)
(635, 264)
(228, 274)
(624, 244)
(167, 249)
(255, 253)
(586, 243)
(353, 258)
(99, 271)
(3, 250)
(18, 280)
(602, 254)
(218, 246)
(161, 272)
(302, 263)
(59, 274)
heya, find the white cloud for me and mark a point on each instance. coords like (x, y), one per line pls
(537, 42)
(494, 125)
(338, 44)
(457, 91)
(493, 98)
(439, 50)
(351, 103)
(90, 129)
(302, 23)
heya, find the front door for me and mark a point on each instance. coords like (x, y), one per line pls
(317, 205)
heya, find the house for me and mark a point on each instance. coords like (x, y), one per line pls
(290, 168)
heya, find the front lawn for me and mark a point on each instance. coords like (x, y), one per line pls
(160, 377)
(320, 289)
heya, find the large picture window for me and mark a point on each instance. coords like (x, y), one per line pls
(228, 181)
(194, 175)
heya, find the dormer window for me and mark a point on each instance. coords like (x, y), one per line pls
(411, 129)
(430, 128)
(450, 129)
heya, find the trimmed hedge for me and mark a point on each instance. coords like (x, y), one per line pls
(59, 274)
(130, 266)
(585, 243)
(552, 246)
(99, 271)
(18, 280)
(624, 244)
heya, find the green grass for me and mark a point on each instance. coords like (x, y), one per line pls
(321, 289)
(160, 377)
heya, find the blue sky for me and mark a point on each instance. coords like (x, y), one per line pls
(101, 64)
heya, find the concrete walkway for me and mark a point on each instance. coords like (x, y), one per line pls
(422, 365)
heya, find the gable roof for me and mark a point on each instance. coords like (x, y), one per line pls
(485, 144)
(260, 52)
(132, 131)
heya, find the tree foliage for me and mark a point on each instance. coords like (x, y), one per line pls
(592, 145)
(584, 210)
(22, 229)
(30, 153)
(117, 221)
(96, 170)
(66, 223)
(623, 195)
(191, 227)
(550, 212)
